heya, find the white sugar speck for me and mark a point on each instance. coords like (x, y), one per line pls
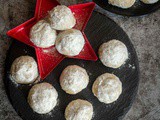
(25, 51)
(13, 81)
(131, 66)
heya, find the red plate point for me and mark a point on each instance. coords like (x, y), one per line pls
(21, 32)
(43, 6)
(82, 13)
(49, 58)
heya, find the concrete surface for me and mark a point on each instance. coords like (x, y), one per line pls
(143, 31)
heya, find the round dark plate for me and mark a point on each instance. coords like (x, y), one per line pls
(100, 29)
(137, 9)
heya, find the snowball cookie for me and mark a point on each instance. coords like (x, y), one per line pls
(74, 79)
(61, 18)
(42, 98)
(107, 88)
(113, 53)
(149, 1)
(79, 110)
(70, 42)
(24, 70)
(122, 3)
(42, 35)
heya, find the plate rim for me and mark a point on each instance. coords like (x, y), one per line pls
(154, 9)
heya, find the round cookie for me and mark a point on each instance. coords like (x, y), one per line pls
(113, 53)
(42, 98)
(74, 79)
(79, 110)
(107, 88)
(149, 1)
(122, 3)
(42, 35)
(70, 42)
(61, 18)
(24, 70)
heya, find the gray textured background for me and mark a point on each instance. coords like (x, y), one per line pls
(143, 31)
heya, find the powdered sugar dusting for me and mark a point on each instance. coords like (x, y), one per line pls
(24, 70)
(74, 79)
(61, 18)
(42, 35)
(42, 98)
(107, 88)
(51, 51)
(113, 53)
(79, 110)
(70, 42)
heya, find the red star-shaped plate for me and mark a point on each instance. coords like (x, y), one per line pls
(49, 58)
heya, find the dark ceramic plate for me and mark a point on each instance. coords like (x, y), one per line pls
(137, 9)
(100, 29)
